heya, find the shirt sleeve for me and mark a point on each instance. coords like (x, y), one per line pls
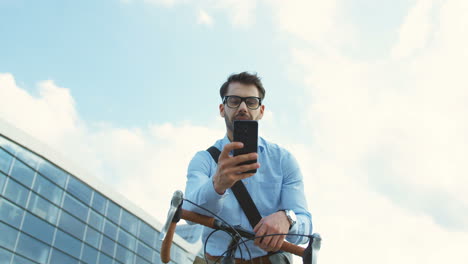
(293, 198)
(199, 188)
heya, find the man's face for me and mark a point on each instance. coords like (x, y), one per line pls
(242, 112)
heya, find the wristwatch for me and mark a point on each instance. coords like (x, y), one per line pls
(291, 218)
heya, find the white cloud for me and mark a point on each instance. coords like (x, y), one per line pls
(203, 18)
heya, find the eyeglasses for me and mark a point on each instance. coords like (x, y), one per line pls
(233, 101)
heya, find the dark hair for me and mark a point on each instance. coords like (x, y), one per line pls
(244, 78)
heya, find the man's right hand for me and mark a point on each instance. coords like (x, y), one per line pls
(229, 172)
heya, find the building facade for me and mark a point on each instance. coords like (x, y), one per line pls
(48, 215)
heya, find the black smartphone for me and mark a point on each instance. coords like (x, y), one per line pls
(246, 131)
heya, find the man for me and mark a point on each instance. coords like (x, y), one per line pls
(276, 188)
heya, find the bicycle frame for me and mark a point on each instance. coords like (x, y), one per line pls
(308, 255)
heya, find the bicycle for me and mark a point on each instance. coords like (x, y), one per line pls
(175, 213)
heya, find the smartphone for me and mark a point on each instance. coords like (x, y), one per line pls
(246, 131)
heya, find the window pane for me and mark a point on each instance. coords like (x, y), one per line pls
(124, 255)
(16, 193)
(47, 189)
(129, 222)
(110, 229)
(10, 213)
(38, 228)
(99, 203)
(147, 234)
(107, 246)
(113, 212)
(5, 161)
(32, 248)
(17, 259)
(103, 259)
(55, 174)
(71, 225)
(5, 256)
(75, 207)
(43, 208)
(29, 158)
(89, 254)
(95, 220)
(126, 239)
(8, 237)
(79, 190)
(2, 181)
(144, 251)
(92, 237)
(67, 244)
(140, 260)
(59, 257)
(22, 173)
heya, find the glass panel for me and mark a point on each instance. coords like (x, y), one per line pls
(2, 181)
(141, 260)
(129, 222)
(32, 248)
(8, 237)
(95, 220)
(79, 189)
(126, 239)
(144, 251)
(124, 255)
(5, 256)
(5, 161)
(92, 237)
(59, 257)
(103, 259)
(38, 228)
(110, 229)
(67, 244)
(55, 174)
(17, 259)
(71, 225)
(29, 158)
(75, 207)
(47, 189)
(43, 208)
(107, 246)
(16, 193)
(89, 254)
(113, 212)
(10, 213)
(8, 145)
(147, 234)
(99, 203)
(22, 173)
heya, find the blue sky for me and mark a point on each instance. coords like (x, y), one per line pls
(370, 96)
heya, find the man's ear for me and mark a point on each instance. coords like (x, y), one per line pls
(262, 110)
(221, 110)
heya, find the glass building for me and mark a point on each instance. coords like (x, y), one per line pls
(48, 215)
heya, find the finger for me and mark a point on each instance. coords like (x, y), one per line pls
(261, 231)
(233, 161)
(279, 243)
(228, 148)
(266, 240)
(242, 168)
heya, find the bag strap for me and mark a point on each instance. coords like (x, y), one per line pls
(242, 195)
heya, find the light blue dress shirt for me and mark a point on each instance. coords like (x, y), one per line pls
(277, 185)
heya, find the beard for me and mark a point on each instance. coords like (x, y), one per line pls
(230, 122)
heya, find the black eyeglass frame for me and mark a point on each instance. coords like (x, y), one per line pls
(243, 99)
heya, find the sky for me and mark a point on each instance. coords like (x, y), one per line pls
(370, 96)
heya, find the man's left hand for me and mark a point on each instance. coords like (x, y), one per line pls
(276, 223)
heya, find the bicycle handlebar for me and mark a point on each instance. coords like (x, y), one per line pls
(212, 223)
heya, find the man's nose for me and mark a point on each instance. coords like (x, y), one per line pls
(243, 106)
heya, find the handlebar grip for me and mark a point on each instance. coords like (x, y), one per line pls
(167, 242)
(198, 218)
(292, 248)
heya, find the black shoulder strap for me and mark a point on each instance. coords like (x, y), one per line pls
(241, 193)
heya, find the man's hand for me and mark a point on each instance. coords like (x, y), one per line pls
(229, 172)
(276, 223)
